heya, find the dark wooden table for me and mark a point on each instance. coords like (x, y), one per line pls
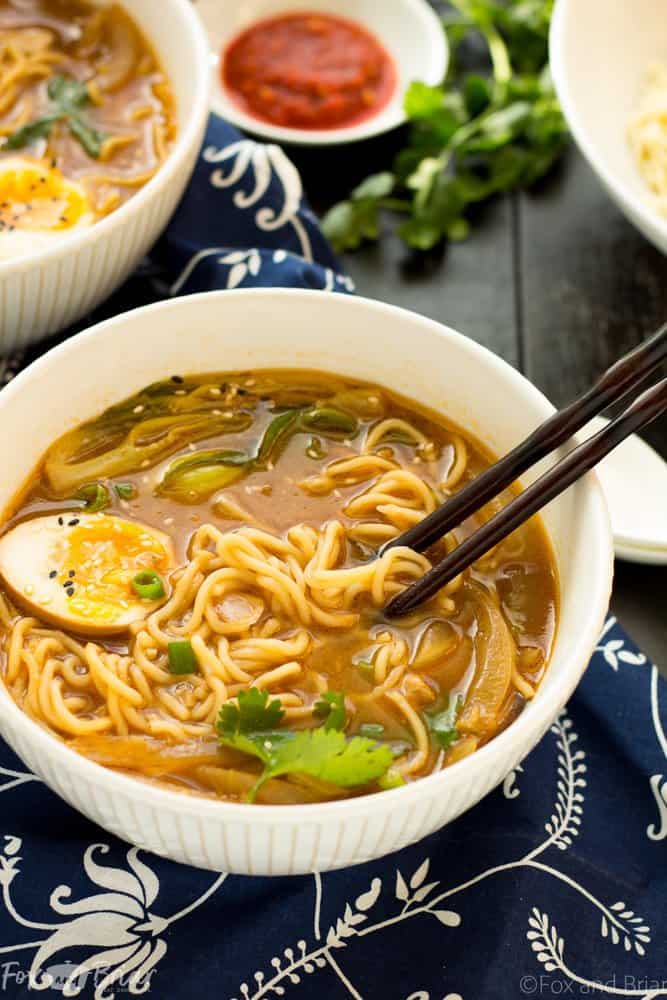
(555, 281)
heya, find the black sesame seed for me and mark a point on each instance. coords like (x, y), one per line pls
(178, 379)
(73, 522)
(53, 574)
(72, 573)
(60, 521)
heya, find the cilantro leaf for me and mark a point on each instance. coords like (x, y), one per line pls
(443, 724)
(469, 139)
(40, 128)
(331, 708)
(67, 96)
(254, 713)
(65, 90)
(89, 137)
(321, 753)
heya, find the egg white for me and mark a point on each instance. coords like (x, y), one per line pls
(104, 552)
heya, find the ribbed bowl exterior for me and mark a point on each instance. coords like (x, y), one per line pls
(266, 840)
(49, 297)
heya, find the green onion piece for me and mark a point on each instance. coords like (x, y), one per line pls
(148, 585)
(94, 496)
(366, 669)
(443, 724)
(391, 779)
(329, 421)
(124, 491)
(331, 708)
(397, 436)
(315, 449)
(371, 730)
(400, 747)
(182, 659)
(275, 434)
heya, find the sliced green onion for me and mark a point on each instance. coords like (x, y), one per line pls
(94, 496)
(274, 435)
(443, 724)
(329, 421)
(148, 585)
(182, 659)
(315, 449)
(366, 669)
(371, 730)
(124, 491)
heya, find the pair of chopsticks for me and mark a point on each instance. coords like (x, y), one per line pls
(621, 378)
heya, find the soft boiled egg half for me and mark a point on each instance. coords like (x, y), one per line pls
(86, 572)
(38, 206)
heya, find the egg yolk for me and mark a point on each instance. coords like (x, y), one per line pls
(106, 555)
(34, 197)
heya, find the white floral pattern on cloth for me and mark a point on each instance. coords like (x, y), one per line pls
(113, 934)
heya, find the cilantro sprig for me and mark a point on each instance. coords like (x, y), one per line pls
(443, 724)
(331, 708)
(252, 726)
(472, 137)
(68, 98)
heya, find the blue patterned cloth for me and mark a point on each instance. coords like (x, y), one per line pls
(554, 885)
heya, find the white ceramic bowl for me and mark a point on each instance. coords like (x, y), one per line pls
(410, 31)
(360, 338)
(46, 291)
(600, 52)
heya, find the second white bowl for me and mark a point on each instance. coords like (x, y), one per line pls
(600, 51)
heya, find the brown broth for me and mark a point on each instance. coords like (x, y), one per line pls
(518, 579)
(131, 101)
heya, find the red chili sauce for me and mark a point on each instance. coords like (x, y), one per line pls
(309, 71)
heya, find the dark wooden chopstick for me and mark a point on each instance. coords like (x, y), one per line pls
(610, 387)
(647, 407)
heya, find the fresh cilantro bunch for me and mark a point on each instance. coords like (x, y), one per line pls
(472, 137)
(68, 98)
(325, 753)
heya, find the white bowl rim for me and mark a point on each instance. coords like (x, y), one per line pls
(137, 789)
(188, 132)
(631, 201)
(373, 126)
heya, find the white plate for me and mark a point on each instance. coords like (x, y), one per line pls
(600, 51)
(410, 31)
(634, 481)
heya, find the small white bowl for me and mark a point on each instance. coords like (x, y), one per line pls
(410, 31)
(46, 291)
(369, 340)
(600, 53)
